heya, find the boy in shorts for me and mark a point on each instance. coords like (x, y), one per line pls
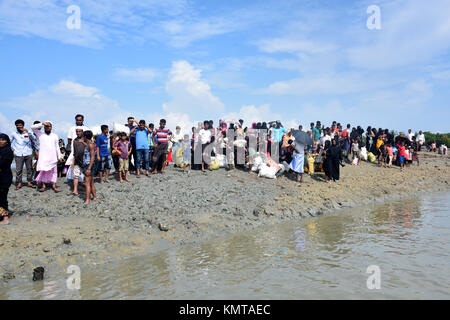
(123, 149)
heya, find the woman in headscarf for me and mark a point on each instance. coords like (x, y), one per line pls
(298, 162)
(6, 177)
(326, 162)
(333, 161)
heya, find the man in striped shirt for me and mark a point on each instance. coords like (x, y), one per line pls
(161, 138)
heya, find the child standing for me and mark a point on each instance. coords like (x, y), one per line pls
(402, 155)
(355, 151)
(390, 155)
(383, 156)
(123, 149)
(186, 145)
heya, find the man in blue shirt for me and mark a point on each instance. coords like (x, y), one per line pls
(103, 153)
(22, 144)
(277, 135)
(278, 132)
(142, 132)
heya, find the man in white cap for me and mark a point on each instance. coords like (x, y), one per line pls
(49, 155)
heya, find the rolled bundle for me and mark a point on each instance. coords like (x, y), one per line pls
(118, 128)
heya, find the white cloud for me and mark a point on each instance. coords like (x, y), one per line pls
(442, 75)
(69, 88)
(413, 31)
(172, 120)
(253, 113)
(101, 20)
(335, 84)
(6, 126)
(61, 102)
(189, 93)
(291, 45)
(137, 75)
(182, 33)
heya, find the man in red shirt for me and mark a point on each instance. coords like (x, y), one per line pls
(161, 137)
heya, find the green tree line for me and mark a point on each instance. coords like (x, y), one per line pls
(439, 138)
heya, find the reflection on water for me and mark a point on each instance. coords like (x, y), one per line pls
(319, 258)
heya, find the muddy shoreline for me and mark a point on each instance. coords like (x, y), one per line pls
(151, 214)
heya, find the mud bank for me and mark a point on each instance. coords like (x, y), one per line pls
(150, 214)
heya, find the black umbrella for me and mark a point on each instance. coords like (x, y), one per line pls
(302, 137)
(404, 139)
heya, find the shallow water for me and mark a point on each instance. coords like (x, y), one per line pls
(319, 258)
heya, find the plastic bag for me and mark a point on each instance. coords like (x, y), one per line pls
(268, 172)
(241, 143)
(371, 157)
(222, 160)
(355, 162)
(69, 175)
(364, 153)
(214, 165)
(117, 128)
(311, 160)
(179, 156)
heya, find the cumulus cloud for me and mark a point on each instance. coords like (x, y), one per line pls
(6, 126)
(60, 103)
(101, 20)
(253, 113)
(413, 31)
(136, 75)
(189, 93)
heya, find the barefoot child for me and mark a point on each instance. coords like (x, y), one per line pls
(88, 163)
(402, 155)
(123, 149)
(390, 155)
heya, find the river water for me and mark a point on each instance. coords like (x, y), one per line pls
(327, 257)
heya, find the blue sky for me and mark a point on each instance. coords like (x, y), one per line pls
(297, 61)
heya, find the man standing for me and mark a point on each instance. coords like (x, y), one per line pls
(49, 155)
(151, 146)
(142, 132)
(421, 139)
(79, 122)
(133, 155)
(277, 135)
(103, 153)
(316, 137)
(161, 138)
(77, 159)
(22, 144)
(410, 135)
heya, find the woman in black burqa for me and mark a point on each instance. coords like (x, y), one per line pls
(6, 177)
(333, 160)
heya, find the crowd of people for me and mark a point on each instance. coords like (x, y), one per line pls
(138, 147)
